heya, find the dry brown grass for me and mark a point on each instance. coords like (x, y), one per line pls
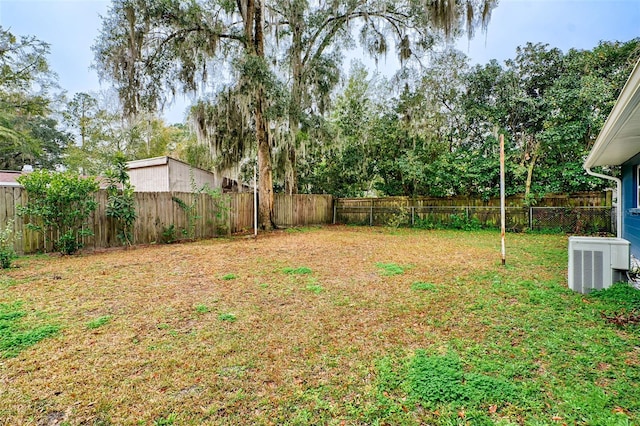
(290, 353)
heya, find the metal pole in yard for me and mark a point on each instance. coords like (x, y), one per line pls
(502, 208)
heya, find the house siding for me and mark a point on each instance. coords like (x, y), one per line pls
(165, 174)
(630, 212)
(150, 179)
(180, 177)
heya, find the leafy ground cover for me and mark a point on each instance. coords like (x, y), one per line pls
(314, 328)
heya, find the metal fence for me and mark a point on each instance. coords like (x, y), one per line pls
(576, 220)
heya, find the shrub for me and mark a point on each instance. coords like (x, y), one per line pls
(120, 202)
(169, 234)
(7, 253)
(59, 202)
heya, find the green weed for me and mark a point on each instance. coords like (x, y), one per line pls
(315, 288)
(389, 269)
(229, 277)
(98, 322)
(227, 317)
(441, 381)
(202, 309)
(422, 286)
(302, 270)
(6, 282)
(619, 295)
(165, 421)
(16, 334)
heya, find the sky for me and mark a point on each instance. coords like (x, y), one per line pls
(71, 26)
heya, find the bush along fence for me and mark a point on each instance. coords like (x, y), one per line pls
(582, 213)
(165, 217)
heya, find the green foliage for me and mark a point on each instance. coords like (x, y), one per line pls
(463, 222)
(192, 216)
(455, 221)
(202, 309)
(301, 270)
(314, 287)
(621, 305)
(98, 322)
(229, 317)
(440, 379)
(422, 286)
(229, 277)
(436, 379)
(169, 234)
(59, 202)
(220, 204)
(389, 269)
(7, 238)
(399, 217)
(120, 199)
(17, 335)
(620, 295)
(437, 134)
(166, 421)
(28, 132)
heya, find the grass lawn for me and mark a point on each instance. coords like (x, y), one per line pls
(337, 325)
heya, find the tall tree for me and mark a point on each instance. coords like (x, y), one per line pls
(150, 47)
(28, 132)
(317, 33)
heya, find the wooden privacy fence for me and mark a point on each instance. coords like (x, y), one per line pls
(578, 213)
(159, 217)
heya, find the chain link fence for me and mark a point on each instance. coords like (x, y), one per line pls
(574, 220)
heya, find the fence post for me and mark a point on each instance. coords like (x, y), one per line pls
(371, 214)
(335, 210)
(413, 214)
(530, 218)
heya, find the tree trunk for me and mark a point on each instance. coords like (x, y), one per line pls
(530, 167)
(265, 184)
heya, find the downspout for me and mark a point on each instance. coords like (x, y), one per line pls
(618, 201)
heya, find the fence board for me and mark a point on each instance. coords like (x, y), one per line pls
(157, 211)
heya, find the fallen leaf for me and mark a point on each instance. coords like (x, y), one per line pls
(461, 414)
(556, 418)
(493, 409)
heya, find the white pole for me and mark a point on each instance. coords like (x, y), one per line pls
(255, 202)
(502, 208)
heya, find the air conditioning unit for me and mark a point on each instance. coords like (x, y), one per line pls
(596, 263)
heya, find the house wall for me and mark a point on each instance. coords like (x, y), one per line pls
(630, 211)
(150, 179)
